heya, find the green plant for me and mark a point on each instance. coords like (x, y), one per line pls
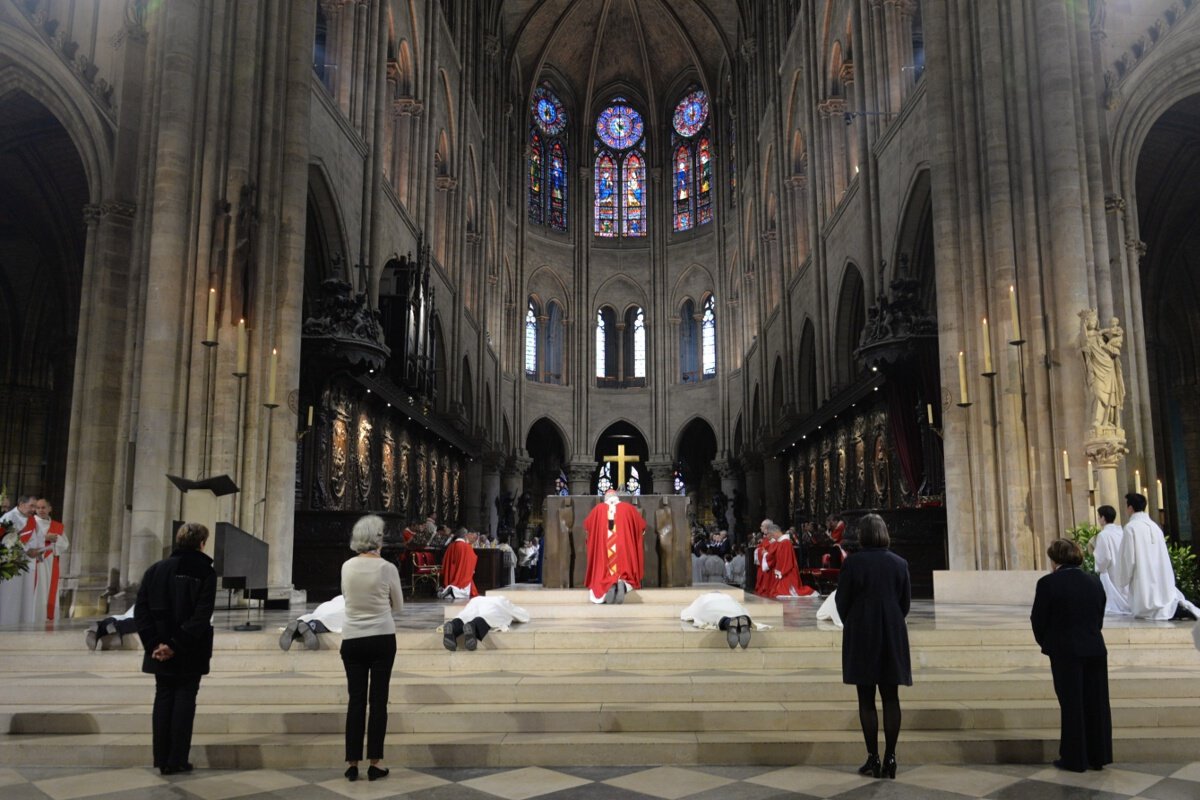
(1187, 577)
(1083, 534)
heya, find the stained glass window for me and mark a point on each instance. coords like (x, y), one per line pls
(536, 206)
(548, 111)
(633, 203)
(683, 188)
(606, 195)
(691, 113)
(619, 126)
(633, 485)
(708, 337)
(558, 187)
(704, 211)
(601, 351)
(531, 340)
(639, 344)
(604, 481)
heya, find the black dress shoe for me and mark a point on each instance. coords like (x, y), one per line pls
(1063, 765)
(888, 770)
(176, 770)
(870, 766)
(745, 626)
(449, 640)
(731, 632)
(351, 774)
(610, 595)
(469, 640)
(374, 773)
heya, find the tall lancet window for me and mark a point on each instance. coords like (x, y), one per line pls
(639, 344)
(531, 340)
(621, 198)
(691, 159)
(601, 345)
(547, 160)
(708, 337)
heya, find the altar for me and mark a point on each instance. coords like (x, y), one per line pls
(666, 542)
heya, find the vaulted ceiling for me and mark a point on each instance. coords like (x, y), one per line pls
(652, 46)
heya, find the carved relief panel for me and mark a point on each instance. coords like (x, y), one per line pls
(365, 468)
(387, 470)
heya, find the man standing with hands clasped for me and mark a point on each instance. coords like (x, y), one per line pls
(174, 619)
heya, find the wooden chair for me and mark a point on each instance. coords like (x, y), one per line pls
(426, 568)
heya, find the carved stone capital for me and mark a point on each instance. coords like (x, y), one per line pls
(581, 471)
(832, 107)
(118, 209)
(446, 183)
(91, 214)
(1114, 203)
(408, 107)
(473, 237)
(491, 45)
(726, 468)
(847, 73)
(1106, 446)
(769, 235)
(747, 49)
(799, 181)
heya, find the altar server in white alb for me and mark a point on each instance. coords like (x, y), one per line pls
(1143, 567)
(18, 595)
(719, 611)
(482, 614)
(1106, 548)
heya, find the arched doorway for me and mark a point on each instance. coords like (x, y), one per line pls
(615, 435)
(695, 450)
(1168, 194)
(42, 238)
(548, 450)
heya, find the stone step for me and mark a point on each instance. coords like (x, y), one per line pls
(619, 651)
(468, 686)
(768, 612)
(832, 714)
(552, 749)
(682, 597)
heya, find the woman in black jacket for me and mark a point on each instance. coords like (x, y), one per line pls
(1068, 613)
(872, 598)
(174, 619)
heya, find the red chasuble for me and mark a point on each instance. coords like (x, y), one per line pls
(764, 581)
(783, 558)
(458, 566)
(617, 554)
(56, 529)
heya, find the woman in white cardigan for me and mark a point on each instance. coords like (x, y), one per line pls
(371, 587)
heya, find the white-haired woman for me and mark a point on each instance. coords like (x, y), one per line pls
(371, 587)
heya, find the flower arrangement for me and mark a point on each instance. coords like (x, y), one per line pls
(13, 558)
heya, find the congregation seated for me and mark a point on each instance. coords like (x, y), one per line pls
(735, 567)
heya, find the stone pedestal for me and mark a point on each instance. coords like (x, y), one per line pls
(1106, 448)
(667, 540)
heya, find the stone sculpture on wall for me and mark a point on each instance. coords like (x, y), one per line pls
(418, 500)
(402, 481)
(339, 445)
(364, 477)
(387, 468)
(1101, 348)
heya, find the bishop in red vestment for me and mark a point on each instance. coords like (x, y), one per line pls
(458, 568)
(614, 549)
(764, 577)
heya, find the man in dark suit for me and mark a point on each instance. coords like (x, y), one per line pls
(1068, 612)
(174, 618)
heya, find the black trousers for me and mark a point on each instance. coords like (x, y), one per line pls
(174, 713)
(368, 662)
(1082, 688)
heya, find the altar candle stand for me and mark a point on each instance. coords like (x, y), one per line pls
(1066, 460)
(1091, 476)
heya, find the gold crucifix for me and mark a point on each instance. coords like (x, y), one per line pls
(621, 459)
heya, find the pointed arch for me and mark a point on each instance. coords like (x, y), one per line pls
(807, 368)
(851, 317)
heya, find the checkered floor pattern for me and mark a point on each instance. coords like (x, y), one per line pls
(928, 782)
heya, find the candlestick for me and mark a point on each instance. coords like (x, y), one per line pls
(310, 413)
(1158, 487)
(210, 328)
(1066, 465)
(1091, 478)
(987, 351)
(271, 378)
(929, 413)
(1016, 316)
(962, 378)
(241, 349)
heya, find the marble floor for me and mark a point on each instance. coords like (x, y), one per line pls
(928, 782)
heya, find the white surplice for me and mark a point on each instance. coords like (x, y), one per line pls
(18, 595)
(1107, 550)
(497, 611)
(331, 614)
(1143, 568)
(828, 610)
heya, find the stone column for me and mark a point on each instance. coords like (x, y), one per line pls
(774, 495)
(580, 474)
(662, 473)
(489, 491)
(752, 467)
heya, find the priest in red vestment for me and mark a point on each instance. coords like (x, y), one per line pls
(50, 566)
(614, 549)
(783, 579)
(458, 567)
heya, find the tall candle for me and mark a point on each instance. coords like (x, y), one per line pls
(1091, 478)
(1066, 466)
(310, 410)
(1161, 500)
(929, 413)
(271, 378)
(987, 350)
(1137, 480)
(962, 378)
(241, 348)
(210, 329)
(1016, 317)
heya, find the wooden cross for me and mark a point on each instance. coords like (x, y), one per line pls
(621, 459)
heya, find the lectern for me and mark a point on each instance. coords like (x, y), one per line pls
(200, 498)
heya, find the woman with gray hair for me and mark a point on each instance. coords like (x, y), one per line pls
(372, 590)
(873, 595)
